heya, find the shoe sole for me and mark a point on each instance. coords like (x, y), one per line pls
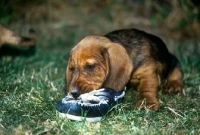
(79, 118)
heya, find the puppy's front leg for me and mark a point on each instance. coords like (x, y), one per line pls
(148, 89)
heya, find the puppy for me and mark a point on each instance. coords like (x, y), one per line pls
(9, 37)
(128, 57)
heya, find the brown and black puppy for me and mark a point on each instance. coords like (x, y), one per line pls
(122, 58)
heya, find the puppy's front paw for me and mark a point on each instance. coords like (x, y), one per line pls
(173, 87)
(153, 105)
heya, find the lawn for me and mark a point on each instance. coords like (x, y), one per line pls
(30, 86)
(32, 83)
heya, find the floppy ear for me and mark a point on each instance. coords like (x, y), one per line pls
(68, 77)
(119, 66)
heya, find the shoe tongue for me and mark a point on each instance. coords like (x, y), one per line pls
(102, 94)
(95, 95)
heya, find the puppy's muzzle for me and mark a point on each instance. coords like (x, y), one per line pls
(75, 93)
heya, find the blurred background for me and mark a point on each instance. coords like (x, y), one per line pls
(71, 20)
(31, 86)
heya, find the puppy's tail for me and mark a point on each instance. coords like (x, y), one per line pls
(9, 37)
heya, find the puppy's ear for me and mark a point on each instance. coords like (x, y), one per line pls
(119, 66)
(68, 77)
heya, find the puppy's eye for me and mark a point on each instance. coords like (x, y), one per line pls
(71, 69)
(90, 67)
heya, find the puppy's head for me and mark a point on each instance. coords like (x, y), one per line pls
(96, 62)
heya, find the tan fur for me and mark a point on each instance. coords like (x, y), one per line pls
(174, 81)
(103, 57)
(9, 37)
(148, 83)
(97, 62)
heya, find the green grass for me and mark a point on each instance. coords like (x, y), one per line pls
(30, 87)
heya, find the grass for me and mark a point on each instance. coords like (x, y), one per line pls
(30, 86)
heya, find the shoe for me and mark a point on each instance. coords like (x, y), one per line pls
(92, 106)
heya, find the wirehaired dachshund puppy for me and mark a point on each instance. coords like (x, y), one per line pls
(128, 57)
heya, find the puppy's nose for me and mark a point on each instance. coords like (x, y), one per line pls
(75, 93)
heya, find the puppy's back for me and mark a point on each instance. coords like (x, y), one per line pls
(142, 47)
